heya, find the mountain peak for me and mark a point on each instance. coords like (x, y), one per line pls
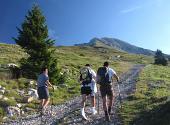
(117, 44)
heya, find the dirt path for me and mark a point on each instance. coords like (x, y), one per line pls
(69, 112)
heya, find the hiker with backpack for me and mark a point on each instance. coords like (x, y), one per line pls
(88, 87)
(105, 77)
(43, 92)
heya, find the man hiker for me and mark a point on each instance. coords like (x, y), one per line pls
(105, 77)
(88, 87)
(42, 84)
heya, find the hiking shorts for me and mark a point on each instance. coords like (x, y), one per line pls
(86, 90)
(43, 92)
(106, 90)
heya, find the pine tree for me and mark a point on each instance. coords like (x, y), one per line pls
(160, 58)
(33, 38)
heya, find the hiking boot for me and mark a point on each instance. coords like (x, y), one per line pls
(83, 114)
(107, 117)
(109, 110)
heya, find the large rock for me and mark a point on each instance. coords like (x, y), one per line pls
(12, 65)
(2, 91)
(28, 99)
(33, 93)
(12, 110)
(21, 92)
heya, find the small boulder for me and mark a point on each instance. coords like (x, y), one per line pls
(2, 91)
(5, 99)
(1, 96)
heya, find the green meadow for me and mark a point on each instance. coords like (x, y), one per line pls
(150, 104)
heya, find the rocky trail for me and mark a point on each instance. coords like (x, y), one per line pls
(69, 112)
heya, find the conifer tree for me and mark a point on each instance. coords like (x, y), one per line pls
(33, 38)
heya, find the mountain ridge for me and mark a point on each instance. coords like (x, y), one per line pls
(118, 45)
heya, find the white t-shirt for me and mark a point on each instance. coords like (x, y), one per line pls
(93, 83)
(111, 73)
(93, 73)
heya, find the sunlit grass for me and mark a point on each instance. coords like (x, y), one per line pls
(150, 99)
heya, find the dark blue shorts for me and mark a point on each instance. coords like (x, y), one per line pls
(43, 92)
(86, 90)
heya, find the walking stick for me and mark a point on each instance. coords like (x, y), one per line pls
(98, 99)
(52, 102)
(120, 98)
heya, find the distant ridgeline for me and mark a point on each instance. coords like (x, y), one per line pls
(117, 44)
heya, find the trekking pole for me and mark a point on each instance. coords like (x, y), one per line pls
(52, 102)
(98, 100)
(120, 98)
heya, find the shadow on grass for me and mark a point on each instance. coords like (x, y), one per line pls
(156, 116)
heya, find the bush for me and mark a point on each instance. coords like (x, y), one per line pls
(2, 114)
(23, 83)
(7, 103)
(11, 93)
(82, 54)
(12, 84)
(160, 58)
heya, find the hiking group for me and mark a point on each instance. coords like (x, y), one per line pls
(104, 78)
(89, 80)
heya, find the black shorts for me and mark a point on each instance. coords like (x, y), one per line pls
(86, 90)
(43, 92)
(106, 90)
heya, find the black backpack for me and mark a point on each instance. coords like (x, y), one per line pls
(85, 75)
(103, 76)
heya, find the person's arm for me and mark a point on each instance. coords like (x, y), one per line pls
(114, 74)
(48, 83)
(117, 78)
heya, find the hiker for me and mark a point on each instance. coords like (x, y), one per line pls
(43, 83)
(105, 77)
(88, 87)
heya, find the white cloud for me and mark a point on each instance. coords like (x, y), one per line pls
(52, 34)
(130, 9)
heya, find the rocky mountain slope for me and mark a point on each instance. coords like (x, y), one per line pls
(118, 45)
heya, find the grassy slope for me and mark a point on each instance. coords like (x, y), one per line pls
(10, 53)
(72, 58)
(149, 105)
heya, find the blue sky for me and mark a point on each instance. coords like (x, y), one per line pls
(144, 23)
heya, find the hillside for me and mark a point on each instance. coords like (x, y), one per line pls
(150, 104)
(71, 59)
(150, 99)
(76, 55)
(118, 45)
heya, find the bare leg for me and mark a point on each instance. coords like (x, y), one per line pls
(110, 101)
(105, 108)
(83, 106)
(46, 102)
(83, 100)
(93, 101)
(110, 104)
(105, 103)
(41, 102)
